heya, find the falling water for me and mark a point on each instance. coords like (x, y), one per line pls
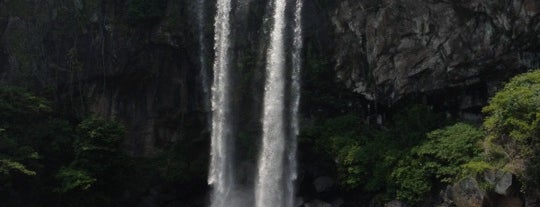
(201, 23)
(270, 184)
(221, 167)
(295, 103)
(277, 165)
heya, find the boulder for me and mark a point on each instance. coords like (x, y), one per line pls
(467, 193)
(502, 181)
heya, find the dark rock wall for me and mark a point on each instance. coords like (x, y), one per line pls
(146, 73)
(388, 49)
(92, 57)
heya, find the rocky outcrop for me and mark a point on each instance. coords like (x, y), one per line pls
(500, 189)
(387, 49)
(467, 193)
(503, 181)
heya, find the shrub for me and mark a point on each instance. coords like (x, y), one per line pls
(437, 161)
(513, 122)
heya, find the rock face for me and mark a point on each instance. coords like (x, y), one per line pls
(112, 61)
(467, 193)
(387, 49)
(503, 181)
(141, 68)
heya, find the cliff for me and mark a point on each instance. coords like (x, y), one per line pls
(138, 60)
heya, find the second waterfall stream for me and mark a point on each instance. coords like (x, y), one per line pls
(276, 169)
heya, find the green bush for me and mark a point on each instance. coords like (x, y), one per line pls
(365, 157)
(72, 179)
(97, 149)
(513, 122)
(437, 161)
(20, 111)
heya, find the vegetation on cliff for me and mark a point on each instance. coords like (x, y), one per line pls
(419, 152)
(47, 159)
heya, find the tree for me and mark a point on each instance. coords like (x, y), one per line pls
(513, 125)
(437, 161)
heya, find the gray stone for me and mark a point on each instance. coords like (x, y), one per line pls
(467, 193)
(504, 184)
(502, 181)
(409, 46)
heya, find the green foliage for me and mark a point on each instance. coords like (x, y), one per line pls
(475, 168)
(98, 134)
(96, 149)
(438, 160)
(366, 157)
(7, 165)
(142, 12)
(16, 105)
(72, 179)
(513, 123)
(70, 162)
(18, 110)
(451, 147)
(514, 113)
(412, 178)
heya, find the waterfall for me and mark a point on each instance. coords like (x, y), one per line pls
(203, 73)
(277, 165)
(221, 175)
(292, 173)
(270, 183)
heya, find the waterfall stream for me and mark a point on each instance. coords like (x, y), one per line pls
(277, 166)
(270, 188)
(221, 175)
(292, 173)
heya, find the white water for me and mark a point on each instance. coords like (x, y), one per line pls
(221, 175)
(292, 173)
(270, 184)
(277, 165)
